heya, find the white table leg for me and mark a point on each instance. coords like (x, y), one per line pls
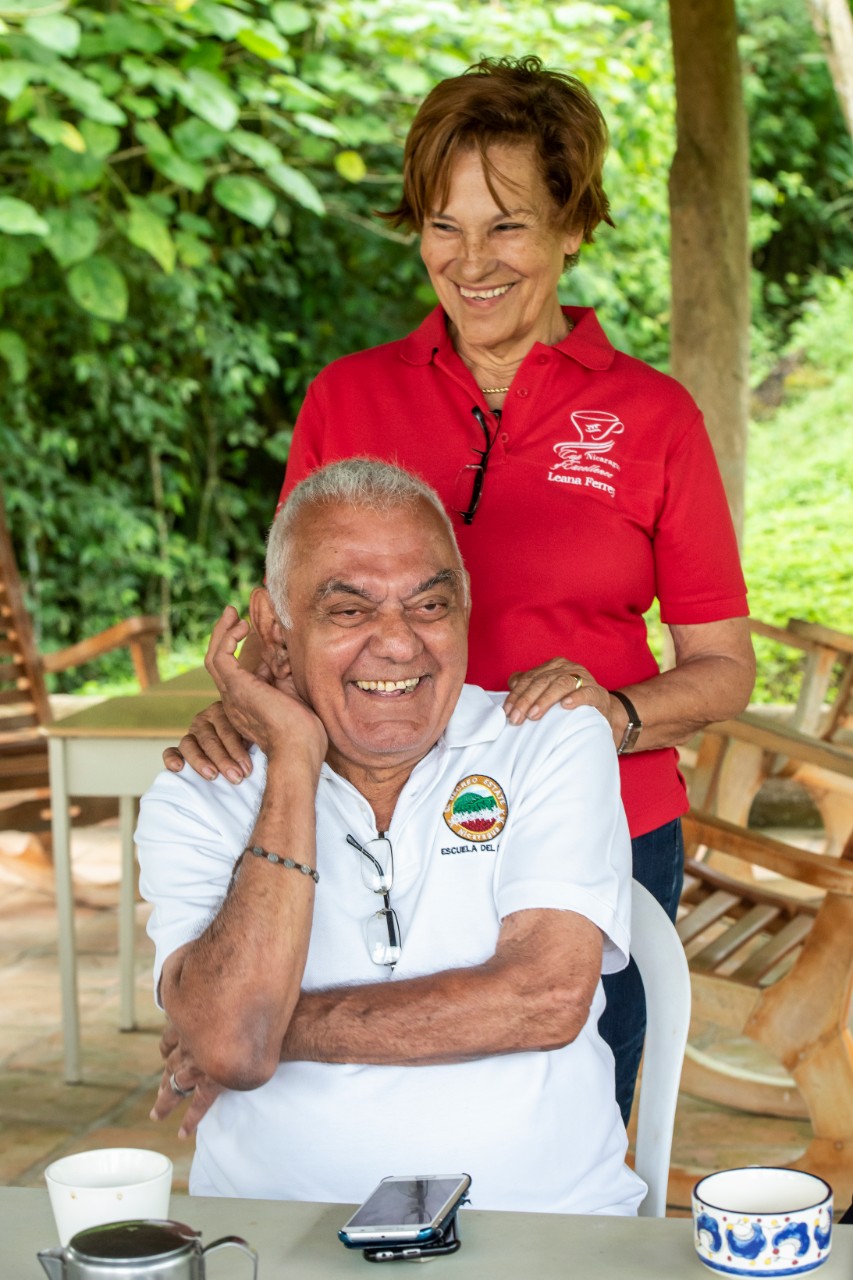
(67, 951)
(126, 914)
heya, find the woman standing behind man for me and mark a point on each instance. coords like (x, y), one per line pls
(581, 481)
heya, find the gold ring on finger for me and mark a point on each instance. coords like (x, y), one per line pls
(578, 682)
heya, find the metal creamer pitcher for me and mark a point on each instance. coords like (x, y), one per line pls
(142, 1250)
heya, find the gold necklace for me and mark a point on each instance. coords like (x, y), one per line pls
(500, 391)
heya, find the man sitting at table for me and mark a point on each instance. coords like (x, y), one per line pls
(381, 954)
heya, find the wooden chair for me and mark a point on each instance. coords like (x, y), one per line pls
(24, 706)
(772, 959)
(810, 742)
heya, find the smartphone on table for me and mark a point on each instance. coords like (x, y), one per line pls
(406, 1211)
(447, 1242)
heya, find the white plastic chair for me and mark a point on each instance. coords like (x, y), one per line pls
(659, 955)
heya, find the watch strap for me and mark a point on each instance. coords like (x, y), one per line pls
(634, 725)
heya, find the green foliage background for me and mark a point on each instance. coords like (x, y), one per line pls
(186, 238)
(798, 546)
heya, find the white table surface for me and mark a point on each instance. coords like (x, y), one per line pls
(299, 1242)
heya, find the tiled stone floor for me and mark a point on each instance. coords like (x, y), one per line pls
(42, 1118)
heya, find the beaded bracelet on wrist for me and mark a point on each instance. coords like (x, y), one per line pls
(289, 863)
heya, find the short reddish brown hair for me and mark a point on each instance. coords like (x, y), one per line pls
(508, 101)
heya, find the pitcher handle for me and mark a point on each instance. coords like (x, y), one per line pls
(239, 1243)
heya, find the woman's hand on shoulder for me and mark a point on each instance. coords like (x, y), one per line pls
(559, 680)
(211, 746)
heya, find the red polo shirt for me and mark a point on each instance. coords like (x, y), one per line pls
(602, 492)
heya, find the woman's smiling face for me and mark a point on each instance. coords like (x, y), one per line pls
(495, 270)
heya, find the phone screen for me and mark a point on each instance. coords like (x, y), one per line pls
(407, 1205)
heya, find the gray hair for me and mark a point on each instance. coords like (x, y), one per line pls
(366, 483)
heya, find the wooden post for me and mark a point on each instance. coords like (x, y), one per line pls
(709, 209)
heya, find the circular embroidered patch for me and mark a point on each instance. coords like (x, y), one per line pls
(477, 809)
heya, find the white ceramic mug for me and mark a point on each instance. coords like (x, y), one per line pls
(108, 1185)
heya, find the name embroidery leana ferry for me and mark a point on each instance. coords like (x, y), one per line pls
(588, 453)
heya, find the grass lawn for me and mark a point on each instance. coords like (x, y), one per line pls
(798, 544)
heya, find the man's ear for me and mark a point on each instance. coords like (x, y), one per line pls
(271, 633)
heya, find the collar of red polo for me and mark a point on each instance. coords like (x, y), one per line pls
(587, 343)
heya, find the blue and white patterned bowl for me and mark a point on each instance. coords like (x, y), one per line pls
(762, 1221)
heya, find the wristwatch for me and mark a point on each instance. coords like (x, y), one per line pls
(632, 728)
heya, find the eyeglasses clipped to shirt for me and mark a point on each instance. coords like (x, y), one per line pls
(382, 930)
(468, 489)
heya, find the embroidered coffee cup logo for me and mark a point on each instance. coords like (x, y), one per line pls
(477, 809)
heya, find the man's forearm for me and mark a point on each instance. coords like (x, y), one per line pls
(231, 993)
(533, 994)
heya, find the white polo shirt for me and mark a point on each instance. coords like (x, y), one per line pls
(495, 819)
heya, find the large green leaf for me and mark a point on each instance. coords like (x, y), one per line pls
(98, 286)
(58, 133)
(245, 197)
(222, 20)
(15, 75)
(166, 80)
(290, 18)
(138, 71)
(101, 139)
(295, 93)
(55, 31)
(18, 218)
(263, 40)
(120, 32)
(207, 96)
(142, 108)
(298, 187)
(152, 136)
(14, 351)
(23, 106)
(208, 54)
(15, 262)
(197, 140)
(84, 93)
(69, 172)
(176, 169)
(192, 251)
(73, 235)
(258, 149)
(408, 78)
(149, 232)
(317, 125)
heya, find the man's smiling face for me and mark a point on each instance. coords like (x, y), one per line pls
(378, 645)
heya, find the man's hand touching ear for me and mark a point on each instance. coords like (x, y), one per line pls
(262, 706)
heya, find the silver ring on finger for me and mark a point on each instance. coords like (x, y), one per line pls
(578, 681)
(176, 1088)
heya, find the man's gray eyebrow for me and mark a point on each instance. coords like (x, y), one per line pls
(443, 578)
(336, 586)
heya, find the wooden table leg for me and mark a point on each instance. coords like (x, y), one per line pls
(66, 945)
(126, 916)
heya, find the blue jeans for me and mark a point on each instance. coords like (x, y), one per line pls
(659, 866)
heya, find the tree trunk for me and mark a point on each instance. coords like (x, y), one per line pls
(709, 209)
(833, 22)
